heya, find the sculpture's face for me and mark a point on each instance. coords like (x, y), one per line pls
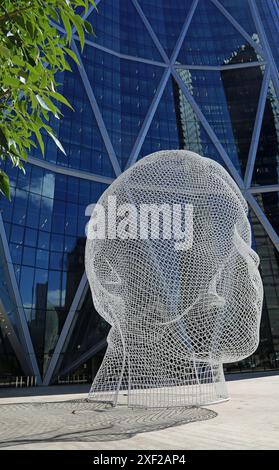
(206, 297)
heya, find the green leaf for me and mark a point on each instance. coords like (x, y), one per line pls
(5, 185)
(30, 26)
(54, 14)
(58, 143)
(51, 105)
(72, 55)
(18, 61)
(67, 25)
(60, 98)
(11, 82)
(4, 51)
(78, 22)
(11, 143)
(42, 102)
(40, 140)
(88, 27)
(3, 138)
(32, 52)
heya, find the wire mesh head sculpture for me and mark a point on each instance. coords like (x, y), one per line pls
(170, 266)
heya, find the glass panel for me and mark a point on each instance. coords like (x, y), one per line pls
(88, 329)
(240, 11)
(269, 12)
(78, 132)
(163, 132)
(229, 101)
(9, 365)
(212, 40)
(269, 202)
(48, 249)
(175, 126)
(266, 170)
(269, 266)
(118, 26)
(166, 18)
(7, 299)
(267, 355)
(124, 91)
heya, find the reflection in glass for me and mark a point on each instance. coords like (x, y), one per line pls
(124, 91)
(118, 26)
(166, 18)
(88, 331)
(266, 170)
(48, 266)
(211, 38)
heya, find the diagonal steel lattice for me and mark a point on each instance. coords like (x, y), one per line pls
(169, 70)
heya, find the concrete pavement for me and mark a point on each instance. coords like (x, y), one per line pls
(250, 420)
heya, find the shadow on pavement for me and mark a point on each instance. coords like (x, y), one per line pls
(82, 421)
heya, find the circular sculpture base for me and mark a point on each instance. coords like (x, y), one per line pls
(205, 386)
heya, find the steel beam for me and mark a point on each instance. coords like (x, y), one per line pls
(264, 189)
(83, 358)
(170, 66)
(154, 105)
(183, 32)
(221, 68)
(214, 139)
(239, 28)
(23, 326)
(97, 112)
(79, 296)
(263, 220)
(263, 38)
(257, 129)
(151, 32)
(122, 56)
(148, 118)
(70, 171)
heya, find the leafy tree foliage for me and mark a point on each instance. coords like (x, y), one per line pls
(32, 51)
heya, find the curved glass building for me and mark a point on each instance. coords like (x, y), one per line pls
(158, 74)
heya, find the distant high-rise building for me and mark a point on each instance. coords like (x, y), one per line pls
(158, 74)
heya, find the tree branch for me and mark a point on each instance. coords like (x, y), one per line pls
(5, 95)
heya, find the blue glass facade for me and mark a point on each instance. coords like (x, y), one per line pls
(45, 228)
(194, 74)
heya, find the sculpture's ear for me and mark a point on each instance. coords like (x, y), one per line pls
(105, 273)
(112, 276)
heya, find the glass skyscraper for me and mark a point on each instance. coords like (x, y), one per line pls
(158, 74)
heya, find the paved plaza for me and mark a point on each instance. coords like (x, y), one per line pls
(60, 418)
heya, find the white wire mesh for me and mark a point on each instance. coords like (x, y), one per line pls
(176, 313)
